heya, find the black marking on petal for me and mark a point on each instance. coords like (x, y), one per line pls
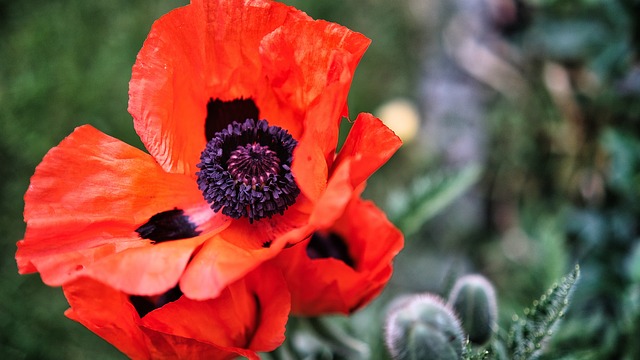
(168, 225)
(325, 244)
(267, 244)
(146, 304)
(222, 113)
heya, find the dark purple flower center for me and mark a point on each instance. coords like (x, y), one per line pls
(253, 164)
(245, 170)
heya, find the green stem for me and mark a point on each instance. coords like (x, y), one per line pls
(343, 344)
(283, 352)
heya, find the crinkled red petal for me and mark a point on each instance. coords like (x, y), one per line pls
(248, 316)
(108, 313)
(163, 346)
(148, 270)
(230, 49)
(310, 66)
(369, 144)
(84, 203)
(201, 51)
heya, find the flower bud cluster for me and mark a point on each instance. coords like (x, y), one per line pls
(425, 326)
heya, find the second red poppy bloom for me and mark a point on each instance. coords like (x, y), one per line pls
(341, 268)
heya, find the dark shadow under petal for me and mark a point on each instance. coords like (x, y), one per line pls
(256, 322)
(324, 244)
(146, 304)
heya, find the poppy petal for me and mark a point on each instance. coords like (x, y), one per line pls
(334, 199)
(311, 293)
(301, 59)
(92, 174)
(387, 239)
(217, 264)
(163, 346)
(316, 150)
(168, 109)
(370, 144)
(60, 268)
(305, 59)
(327, 106)
(206, 50)
(249, 314)
(108, 313)
(148, 270)
(235, 30)
(77, 241)
(310, 170)
(232, 254)
(91, 209)
(269, 287)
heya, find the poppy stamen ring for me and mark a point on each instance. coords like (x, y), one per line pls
(245, 170)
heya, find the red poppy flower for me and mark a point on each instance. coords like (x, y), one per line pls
(248, 316)
(238, 103)
(342, 268)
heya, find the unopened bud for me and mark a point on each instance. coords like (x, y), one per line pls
(474, 300)
(423, 327)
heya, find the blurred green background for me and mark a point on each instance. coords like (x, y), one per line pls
(541, 94)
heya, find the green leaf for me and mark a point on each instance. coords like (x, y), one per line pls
(429, 195)
(528, 333)
(475, 354)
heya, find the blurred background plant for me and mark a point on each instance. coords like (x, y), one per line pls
(521, 123)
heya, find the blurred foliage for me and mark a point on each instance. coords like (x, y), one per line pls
(569, 168)
(560, 153)
(410, 208)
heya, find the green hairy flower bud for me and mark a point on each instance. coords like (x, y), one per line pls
(474, 300)
(423, 327)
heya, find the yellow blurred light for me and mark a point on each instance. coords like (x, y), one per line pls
(401, 116)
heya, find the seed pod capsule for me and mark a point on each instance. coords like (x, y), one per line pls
(423, 327)
(473, 298)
